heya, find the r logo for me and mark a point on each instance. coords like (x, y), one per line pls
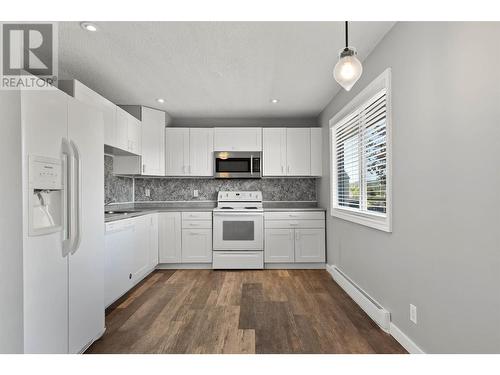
(28, 47)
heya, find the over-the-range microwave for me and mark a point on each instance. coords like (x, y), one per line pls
(237, 164)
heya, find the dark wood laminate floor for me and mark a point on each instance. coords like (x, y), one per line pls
(270, 311)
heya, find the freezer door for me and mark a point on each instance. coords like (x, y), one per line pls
(86, 258)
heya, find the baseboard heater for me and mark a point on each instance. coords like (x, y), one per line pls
(374, 310)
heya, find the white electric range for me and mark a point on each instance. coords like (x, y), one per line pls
(238, 230)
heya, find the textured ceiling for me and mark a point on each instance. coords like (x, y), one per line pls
(214, 69)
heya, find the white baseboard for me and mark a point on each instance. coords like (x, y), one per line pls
(295, 266)
(404, 340)
(184, 266)
(374, 310)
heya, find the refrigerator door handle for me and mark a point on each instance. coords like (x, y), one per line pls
(77, 202)
(69, 231)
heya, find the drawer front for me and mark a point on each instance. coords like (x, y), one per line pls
(238, 260)
(295, 215)
(197, 215)
(290, 224)
(196, 224)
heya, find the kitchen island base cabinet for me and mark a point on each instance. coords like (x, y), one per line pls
(196, 245)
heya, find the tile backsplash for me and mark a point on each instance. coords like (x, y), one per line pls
(273, 189)
(119, 189)
(116, 189)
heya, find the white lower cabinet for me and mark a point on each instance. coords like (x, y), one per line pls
(169, 238)
(309, 245)
(141, 248)
(196, 245)
(185, 237)
(279, 245)
(294, 237)
(153, 241)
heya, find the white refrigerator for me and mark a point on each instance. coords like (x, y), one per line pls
(63, 222)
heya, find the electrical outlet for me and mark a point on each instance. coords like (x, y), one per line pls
(413, 313)
(148, 192)
(195, 193)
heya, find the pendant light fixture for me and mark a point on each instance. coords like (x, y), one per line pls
(348, 68)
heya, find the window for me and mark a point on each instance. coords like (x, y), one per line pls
(361, 150)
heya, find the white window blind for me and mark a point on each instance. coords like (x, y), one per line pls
(360, 158)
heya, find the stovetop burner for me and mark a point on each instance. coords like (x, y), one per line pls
(238, 201)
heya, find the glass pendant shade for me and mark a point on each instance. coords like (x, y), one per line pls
(348, 68)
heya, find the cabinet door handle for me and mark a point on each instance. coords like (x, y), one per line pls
(143, 168)
(282, 169)
(297, 235)
(288, 169)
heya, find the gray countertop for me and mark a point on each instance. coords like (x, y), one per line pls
(139, 209)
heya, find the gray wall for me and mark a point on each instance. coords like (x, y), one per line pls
(11, 235)
(444, 252)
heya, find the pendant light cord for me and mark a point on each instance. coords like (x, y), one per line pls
(346, 34)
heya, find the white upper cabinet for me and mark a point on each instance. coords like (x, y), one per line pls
(176, 151)
(238, 139)
(189, 152)
(134, 135)
(201, 145)
(81, 92)
(292, 151)
(153, 142)
(298, 151)
(122, 140)
(274, 151)
(316, 154)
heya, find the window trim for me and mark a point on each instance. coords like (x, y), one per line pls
(373, 220)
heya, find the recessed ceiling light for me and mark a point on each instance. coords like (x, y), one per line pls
(160, 100)
(274, 101)
(88, 26)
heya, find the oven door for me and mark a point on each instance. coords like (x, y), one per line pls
(238, 231)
